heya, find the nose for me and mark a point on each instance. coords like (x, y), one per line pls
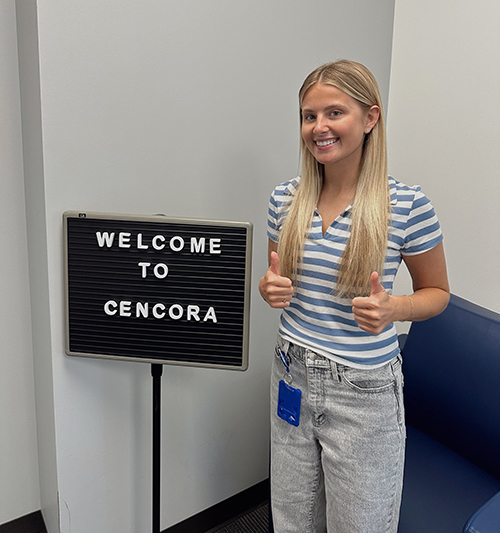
(320, 126)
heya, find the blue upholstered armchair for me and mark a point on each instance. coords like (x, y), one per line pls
(452, 396)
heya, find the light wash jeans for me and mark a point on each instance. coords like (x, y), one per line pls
(341, 469)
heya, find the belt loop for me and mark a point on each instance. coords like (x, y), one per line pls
(283, 344)
(335, 370)
(398, 360)
(285, 347)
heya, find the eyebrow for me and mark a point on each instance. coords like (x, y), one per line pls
(328, 108)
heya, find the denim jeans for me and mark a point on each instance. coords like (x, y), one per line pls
(341, 469)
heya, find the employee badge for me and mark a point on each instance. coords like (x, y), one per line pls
(289, 398)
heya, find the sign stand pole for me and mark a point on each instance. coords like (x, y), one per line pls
(156, 372)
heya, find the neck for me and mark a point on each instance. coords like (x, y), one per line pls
(340, 181)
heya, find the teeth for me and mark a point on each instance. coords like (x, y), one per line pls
(326, 143)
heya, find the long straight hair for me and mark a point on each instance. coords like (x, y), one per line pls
(366, 248)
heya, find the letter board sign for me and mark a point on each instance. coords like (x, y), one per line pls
(157, 289)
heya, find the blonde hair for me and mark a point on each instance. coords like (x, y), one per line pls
(366, 248)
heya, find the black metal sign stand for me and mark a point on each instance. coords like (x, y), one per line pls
(156, 372)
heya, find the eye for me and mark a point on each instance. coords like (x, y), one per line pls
(308, 117)
(335, 113)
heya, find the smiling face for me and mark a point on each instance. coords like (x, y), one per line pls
(333, 127)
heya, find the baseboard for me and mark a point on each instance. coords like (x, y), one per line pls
(30, 523)
(224, 511)
(217, 515)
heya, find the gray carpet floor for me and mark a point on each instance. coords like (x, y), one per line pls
(256, 521)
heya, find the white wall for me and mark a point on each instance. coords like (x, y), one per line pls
(444, 133)
(19, 484)
(189, 109)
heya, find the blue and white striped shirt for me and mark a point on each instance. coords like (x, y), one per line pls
(320, 320)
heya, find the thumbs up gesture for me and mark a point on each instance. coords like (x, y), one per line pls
(276, 290)
(375, 312)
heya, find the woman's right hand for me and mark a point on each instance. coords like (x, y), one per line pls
(276, 290)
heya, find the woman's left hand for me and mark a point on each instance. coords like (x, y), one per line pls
(375, 312)
(430, 297)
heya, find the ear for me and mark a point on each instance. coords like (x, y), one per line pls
(372, 118)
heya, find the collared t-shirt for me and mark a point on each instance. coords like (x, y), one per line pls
(320, 320)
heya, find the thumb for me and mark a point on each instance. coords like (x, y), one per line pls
(275, 264)
(376, 285)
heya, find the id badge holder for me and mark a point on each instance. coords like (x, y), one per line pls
(289, 397)
(289, 403)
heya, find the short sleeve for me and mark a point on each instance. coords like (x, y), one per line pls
(273, 227)
(278, 208)
(422, 232)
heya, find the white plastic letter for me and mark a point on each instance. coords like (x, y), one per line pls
(139, 243)
(157, 238)
(176, 243)
(193, 312)
(144, 268)
(161, 270)
(105, 238)
(175, 312)
(141, 309)
(215, 246)
(197, 246)
(210, 315)
(125, 308)
(124, 240)
(156, 313)
(110, 307)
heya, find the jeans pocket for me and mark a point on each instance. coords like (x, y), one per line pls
(369, 380)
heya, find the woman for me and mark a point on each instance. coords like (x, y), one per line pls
(337, 235)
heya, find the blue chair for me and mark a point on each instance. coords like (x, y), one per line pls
(451, 365)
